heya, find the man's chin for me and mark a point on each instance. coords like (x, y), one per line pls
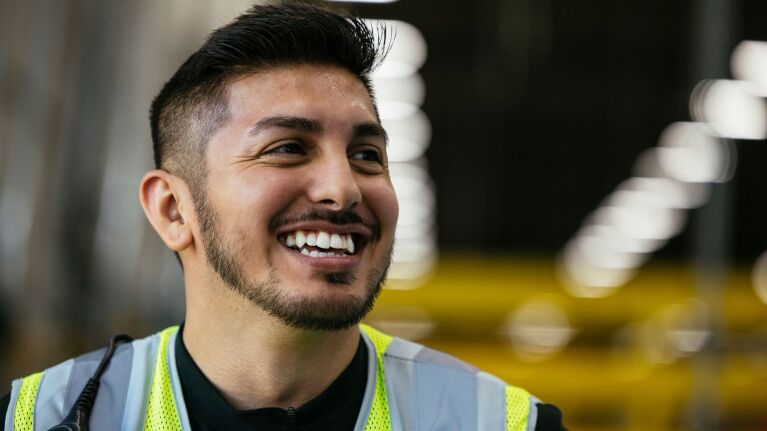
(343, 278)
(325, 314)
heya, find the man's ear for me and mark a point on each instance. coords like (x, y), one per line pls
(166, 202)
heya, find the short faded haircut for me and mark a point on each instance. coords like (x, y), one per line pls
(193, 104)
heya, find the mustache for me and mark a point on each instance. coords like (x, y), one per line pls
(339, 218)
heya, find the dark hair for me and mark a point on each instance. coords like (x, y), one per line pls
(193, 104)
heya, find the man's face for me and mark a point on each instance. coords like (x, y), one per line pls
(298, 210)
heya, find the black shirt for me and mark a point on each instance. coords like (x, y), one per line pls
(336, 408)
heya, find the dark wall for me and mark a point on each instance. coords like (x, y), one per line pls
(540, 108)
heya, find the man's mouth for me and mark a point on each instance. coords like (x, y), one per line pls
(316, 243)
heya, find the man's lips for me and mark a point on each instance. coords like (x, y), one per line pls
(325, 240)
(324, 251)
(327, 221)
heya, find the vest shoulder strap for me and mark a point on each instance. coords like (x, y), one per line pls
(42, 400)
(427, 389)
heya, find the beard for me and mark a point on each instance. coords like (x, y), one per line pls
(302, 312)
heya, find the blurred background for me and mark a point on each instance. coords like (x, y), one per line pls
(580, 186)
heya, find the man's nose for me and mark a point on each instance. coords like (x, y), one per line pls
(334, 184)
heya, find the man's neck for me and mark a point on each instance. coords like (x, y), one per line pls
(255, 360)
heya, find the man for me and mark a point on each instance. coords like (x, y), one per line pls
(272, 187)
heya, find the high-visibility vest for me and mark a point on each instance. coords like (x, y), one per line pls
(409, 387)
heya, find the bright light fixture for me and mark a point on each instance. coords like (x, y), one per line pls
(749, 63)
(730, 109)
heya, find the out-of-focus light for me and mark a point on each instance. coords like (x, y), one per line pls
(405, 275)
(410, 323)
(749, 63)
(395, 110)
(409, 136)
(601, 251)
(687, 341)
(674, 193)
(405, 150)
(414, 230)
(413, 187)
(408, 52)
(410, 89)
(584, 279)
(729, 109)
(759, 277)
(688, 153)
(413, 211)
(687, 327)
(618, 240)
(676, 331)
(400, 91)
(414, 250)
(641, 215)
(538, 329)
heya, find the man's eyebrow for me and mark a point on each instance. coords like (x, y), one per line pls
(370, 130)
(286, 122)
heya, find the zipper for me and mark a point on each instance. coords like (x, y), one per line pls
(291, 416)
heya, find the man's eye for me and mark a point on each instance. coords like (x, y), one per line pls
(367, 155)
(289, 148)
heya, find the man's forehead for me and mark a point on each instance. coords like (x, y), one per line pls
(298, 80)
(319, 92)
(306, 98)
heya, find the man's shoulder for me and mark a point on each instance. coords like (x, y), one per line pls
(446, 370)
(399, 349)
(547, 417)
(86, 363)
(89, 361)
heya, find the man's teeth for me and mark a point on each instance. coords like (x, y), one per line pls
(336, 241)
(322, 240)
(315, 253)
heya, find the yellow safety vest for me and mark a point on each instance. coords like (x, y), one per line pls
(409, 387)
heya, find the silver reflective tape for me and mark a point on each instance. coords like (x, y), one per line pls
(445, 398)
(49, 406)
(113, 391)
(400, 375)
(142, 367)
(370, 386)
(403, 349)
(82, 369)
(491, 402)
(15, 388)
(442, 359)
(178, 393)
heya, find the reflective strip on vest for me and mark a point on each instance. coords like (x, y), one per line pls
(428, 389)
(145, 353)
(517, 409)
(60, 386)
(409, 387)
(23, 413)
(379, 418)
(15, 388)
(162, 412)
(53, 390)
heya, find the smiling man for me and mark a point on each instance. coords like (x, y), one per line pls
(272, 186)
